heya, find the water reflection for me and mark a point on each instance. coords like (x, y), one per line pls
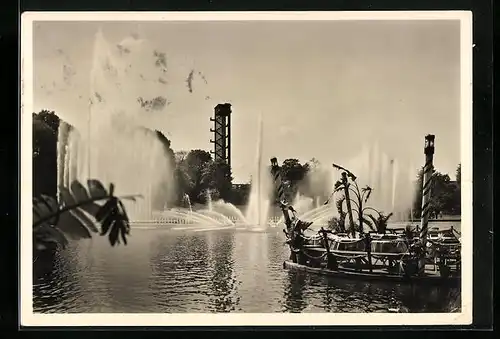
(179, 266)
(163, 271)
(294, 298)
(223, 296)
(337, 295)
(52, 276)
(47, 269)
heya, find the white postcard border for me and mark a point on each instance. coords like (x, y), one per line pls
(28, 318)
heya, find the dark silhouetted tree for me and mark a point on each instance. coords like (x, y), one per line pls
(216, 177)
(292, 174)
(445, 196)
(45, 130)
(194, 166)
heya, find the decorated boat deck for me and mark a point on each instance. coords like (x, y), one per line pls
(430, 277)
(365, 249)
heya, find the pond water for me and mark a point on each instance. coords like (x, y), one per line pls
(163, 270)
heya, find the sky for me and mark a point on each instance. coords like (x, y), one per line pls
(324, 89)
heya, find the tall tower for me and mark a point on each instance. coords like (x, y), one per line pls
(222, 132)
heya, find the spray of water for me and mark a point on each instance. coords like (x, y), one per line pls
(395, 174)
(412, 177)
(209, 200)
(302, 204)
(111, 143)
(229, 209)
(62, 143)
(258, 205)
(188, 201)
(385, 175)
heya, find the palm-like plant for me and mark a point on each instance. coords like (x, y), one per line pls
(361, 195)
(342, 214)
(336, 225)
(78, 215)
(379, 223)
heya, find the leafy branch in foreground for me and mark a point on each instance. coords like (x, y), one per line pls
(78, 214)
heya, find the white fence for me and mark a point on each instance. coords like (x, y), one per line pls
(160, 220)
(191, 221)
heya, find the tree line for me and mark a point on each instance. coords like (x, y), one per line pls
(197, 175)
(445, 194)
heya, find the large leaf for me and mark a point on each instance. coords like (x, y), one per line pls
(45, 207)
(73, 226)
(387, 217)
(96, 189)
(49, 234)
(76, 218)
(369, 223)
(368, 191)
(114, 221)
(340, 205)
(376, 223)
(81, 194)
(78, 214)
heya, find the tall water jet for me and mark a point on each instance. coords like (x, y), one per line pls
(412, 175)
(386, 181)
(209, 200)
(369, 165)
(259, 166)
(392, 192)
(73, 155)
(394, 171)
(66, 166)
(62, 142)
(258, 204)
(116, 145)
(377, 173)
(188, 202)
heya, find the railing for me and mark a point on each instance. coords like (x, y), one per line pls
(187, 220)
(192, 221)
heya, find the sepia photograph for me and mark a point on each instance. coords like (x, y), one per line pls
(262, 168)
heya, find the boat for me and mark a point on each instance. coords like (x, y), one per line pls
(429, 279)
(444, 246)
(389, 257)
(444, 237)
(397, 256)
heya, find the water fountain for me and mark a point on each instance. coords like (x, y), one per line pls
(257, 213)
(392, 192)
(188, 201)
(111, 143)
(256, 217)
(209, 200)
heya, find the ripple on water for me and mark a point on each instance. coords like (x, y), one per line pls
(218, 271)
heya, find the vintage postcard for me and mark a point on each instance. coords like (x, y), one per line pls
(246, 168)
